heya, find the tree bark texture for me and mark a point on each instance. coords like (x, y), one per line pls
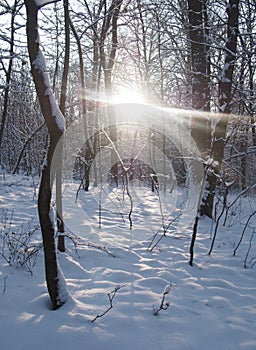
(200, 74)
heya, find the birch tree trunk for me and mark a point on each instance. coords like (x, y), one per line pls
(56, 126)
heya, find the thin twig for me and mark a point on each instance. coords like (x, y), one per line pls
(151, 245)
(249, 248)
(236, 199)
(5, 278)
(111, 297)
(242, 235)
(218, 221)
(112, 201)
(88, 244)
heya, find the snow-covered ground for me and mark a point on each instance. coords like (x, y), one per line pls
(211, 305)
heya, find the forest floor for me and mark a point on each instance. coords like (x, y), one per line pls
(208, 306)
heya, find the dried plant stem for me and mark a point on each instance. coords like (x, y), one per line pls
(242, 235)
(111, 297)
(164, 304)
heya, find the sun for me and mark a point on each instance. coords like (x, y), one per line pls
(128, 96)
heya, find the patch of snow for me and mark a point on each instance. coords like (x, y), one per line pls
(41, 3)
(39, 64)
(212, 163)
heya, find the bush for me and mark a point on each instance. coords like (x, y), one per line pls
(16, 245)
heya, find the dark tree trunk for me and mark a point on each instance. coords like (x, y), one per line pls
(200, 74)
(225, 96)
(8, 78)
(225, 92)
(200, 80)
(56, 125)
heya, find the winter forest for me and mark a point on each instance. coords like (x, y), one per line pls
(127, 174)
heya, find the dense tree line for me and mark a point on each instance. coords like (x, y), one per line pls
(174, 53)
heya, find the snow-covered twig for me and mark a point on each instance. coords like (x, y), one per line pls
(164, 304)
(111, 297)
(5, 279)
(88, 244)
(15, 245)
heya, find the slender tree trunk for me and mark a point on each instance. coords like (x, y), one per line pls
(96, 76)
(251, 74)
(8, 79)
(89, 146)
(56, 126)
(107, 64)
(63, 97)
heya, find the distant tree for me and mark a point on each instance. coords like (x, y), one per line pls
(63, 97)
(88, 152)
(12, 10)
(107, 61)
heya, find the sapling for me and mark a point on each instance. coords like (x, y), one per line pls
(224, 205)
(16, 245)
(111, 297)
(165, 227)
(248, 251)
(164, 304)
